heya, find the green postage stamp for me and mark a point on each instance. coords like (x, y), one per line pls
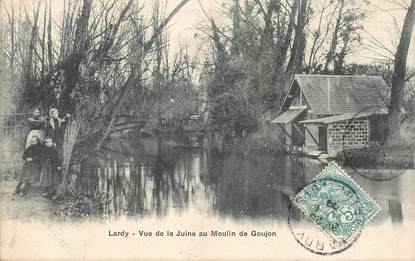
(337, 204)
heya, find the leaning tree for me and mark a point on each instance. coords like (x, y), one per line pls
(398, 78)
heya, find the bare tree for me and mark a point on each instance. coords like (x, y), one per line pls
(30, 60)
(134, 77)
(297, 53)
(49, 44)
(319, 35)
(346, 32)
(83, 63)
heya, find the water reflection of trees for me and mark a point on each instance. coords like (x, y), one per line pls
(251, 186)
(154, 178)
(254, 185)
(140, 183)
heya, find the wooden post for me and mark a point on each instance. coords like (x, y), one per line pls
(314, 139)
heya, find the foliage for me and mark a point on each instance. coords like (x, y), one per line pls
(74, 205)
(89, 64)
(254, 57)
(249, 69)
(385, 70)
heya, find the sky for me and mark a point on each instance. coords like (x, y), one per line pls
(187, 24)
(379, 25)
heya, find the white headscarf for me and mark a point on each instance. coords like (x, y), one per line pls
(51, 121)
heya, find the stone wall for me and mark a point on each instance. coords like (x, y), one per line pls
(355, 135)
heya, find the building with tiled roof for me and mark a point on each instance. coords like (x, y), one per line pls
(328, 113)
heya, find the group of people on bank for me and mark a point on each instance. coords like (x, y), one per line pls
(43, 153)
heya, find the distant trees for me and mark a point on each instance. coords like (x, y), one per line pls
(346, 31)
(335, 30)
(253, 58)
(252, 61)
(385, 70)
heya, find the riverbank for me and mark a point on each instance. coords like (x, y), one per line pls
(35, 207)
(32, 207)
(398, 156)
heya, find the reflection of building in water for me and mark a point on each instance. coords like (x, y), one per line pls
(159, 181)
(164, 181)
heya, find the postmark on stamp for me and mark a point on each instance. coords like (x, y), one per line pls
(311, 237)
(336, 204)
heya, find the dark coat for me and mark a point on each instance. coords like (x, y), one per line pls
(50, 153)
(36, 124)
(55, 128)
(31, 169)
(34, 152)
(49, 167)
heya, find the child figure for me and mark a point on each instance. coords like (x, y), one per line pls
(31, 167)
(36, 127)
(50, 167)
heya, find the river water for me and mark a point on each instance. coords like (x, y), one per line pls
(147, 178)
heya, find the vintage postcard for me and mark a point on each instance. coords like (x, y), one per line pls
(207, 130)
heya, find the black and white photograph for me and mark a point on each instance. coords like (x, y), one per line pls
(207, 130)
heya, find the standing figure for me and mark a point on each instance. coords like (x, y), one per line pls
(55, 128)
(36, 127)
(50, 168)
(31, 167)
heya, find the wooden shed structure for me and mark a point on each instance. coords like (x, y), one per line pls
(327, 113)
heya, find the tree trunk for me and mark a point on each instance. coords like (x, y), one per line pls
(50, 52)
(297, 53)
(71, 133)
(43, 43)
(398, 79)
(288, 35)
(266, 37)
(236, 30)
(13, 44)
(71, 75)
(333, 45)
(28, 72)
(339, 64)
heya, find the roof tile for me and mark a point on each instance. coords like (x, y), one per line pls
(332, 94)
